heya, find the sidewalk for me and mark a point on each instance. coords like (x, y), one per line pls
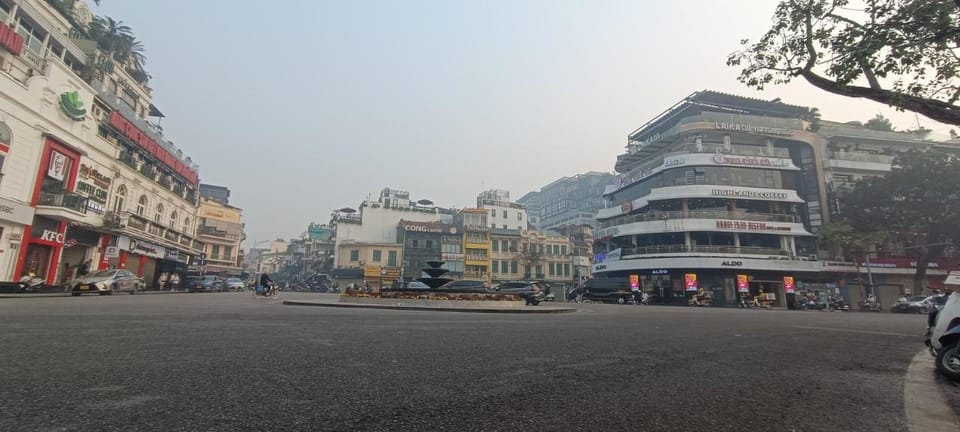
(67, 294)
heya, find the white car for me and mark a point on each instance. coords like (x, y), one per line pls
(106, 282)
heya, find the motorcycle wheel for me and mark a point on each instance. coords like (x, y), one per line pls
(948, 361)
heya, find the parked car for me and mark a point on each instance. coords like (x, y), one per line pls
(467, 286)
(233, 284)
(416, 285)
(604, 290)
(915, 304)
(106, 282)
(208, 283)
(531, 291)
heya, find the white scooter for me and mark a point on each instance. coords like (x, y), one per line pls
(943, 336)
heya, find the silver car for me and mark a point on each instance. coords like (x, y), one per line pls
(233, 284)
(106, 282)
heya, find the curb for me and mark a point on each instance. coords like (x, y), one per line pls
(925, 406)
(66, 294)
(534, 310)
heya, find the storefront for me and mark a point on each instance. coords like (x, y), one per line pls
(79, 246)
(138, 256)
(55, 181)
(14, 217)
(170, 272)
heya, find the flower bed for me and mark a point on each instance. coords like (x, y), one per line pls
(432, 295)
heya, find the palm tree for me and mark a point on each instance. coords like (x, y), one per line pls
(117, 40)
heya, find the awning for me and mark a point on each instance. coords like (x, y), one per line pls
(154, 112)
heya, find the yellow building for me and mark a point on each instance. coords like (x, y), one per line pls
(476, 244)
(221, 231)
(547, 255)
(381, 262)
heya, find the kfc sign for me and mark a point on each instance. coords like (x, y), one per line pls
(52, 236)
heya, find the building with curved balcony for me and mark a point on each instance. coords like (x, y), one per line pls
(719, 193)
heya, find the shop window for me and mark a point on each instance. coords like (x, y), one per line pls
(119, 197)
(142, 205)
(159, 214)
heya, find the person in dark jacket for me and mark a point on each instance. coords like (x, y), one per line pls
(265, 281)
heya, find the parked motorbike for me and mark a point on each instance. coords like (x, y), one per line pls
(871, 304)
(943, 335)
(29, 283)
(810, 304)
(838, 304)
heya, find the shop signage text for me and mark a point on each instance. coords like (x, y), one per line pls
(143, 247)
(422, 227)
(750, 161)
(752, 226)
(740, 127)
(660, 272)
(92, 192)
(51, 236)
(739, 193)
(15, 212)
(96, 176)
(732, 263)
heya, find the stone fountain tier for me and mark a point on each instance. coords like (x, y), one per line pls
(435, 282)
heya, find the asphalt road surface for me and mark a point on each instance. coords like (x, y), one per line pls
(229, 362)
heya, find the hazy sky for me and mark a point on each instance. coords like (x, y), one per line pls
(304, 106)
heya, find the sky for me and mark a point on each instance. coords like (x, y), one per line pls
(301, 107)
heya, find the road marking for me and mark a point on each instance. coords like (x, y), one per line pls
(918, 335)
(925, 405)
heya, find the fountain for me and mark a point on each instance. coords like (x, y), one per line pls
(434, 269)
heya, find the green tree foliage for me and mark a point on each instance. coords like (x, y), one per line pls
(902, 53)
(879, 123)
(917, 205)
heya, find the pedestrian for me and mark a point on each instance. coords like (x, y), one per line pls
(637, 295)
(84, 269)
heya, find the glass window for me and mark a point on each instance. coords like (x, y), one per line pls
(496, 267)
(159, 215)
(513, 267)
(504, 214)
(377, 255)
(32, 38)
(186, 225)
(429, 244)
(414, 243)
(550, 269)
(503, 245)
(519, 216)
(493, 244)
(119, 198)
(4, 12)
(173, 219)
(563, 250)
(504, 226)
(493, 213)
(354, 255)
(215, 252)
(566, 269)
(539, 271)
(142, 205)
(503, 266)
(392, 258)
(227, 252)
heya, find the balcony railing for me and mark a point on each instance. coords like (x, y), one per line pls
(700, 214)
(127, 158)
(148, 171)
(213, 232)
(67, 200)
(475, 257)
(734, 149)
(474, 275)
(862, 157)
(171, 235)
(626, 253)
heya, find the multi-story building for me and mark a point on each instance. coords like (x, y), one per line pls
(504, 214)
(220, 228)
(581, 243)
(375, 224)
(546, 255)
(505, 254)
(476, 243)
(531, 201)
(85, 176)
(724, 193)
(569, 200)
(217, 193)
(421, 243)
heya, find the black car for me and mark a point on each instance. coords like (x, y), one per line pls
(604, 290)
(466, 286)
(531, 291)
(208, 283)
